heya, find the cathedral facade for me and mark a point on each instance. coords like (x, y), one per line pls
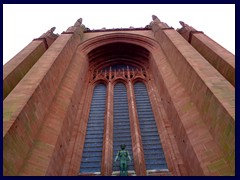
(71, 100)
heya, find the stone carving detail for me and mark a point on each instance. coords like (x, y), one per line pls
(182, 23)
(78, 27)
(156, 20)
(147, 27)
(52, 29)
(87, 29)
(186, 26)
(112, 75)
(49, 33)
(117, 29)
(78, 22)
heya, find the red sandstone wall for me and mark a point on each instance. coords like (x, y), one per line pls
(25, 108)
(201, 79)
(219, 57)
(194, 141)
(45, 116)
(55, 134)
(213, 95)
(75, 147)
(215, 54)
(173, 156)
(19, 65)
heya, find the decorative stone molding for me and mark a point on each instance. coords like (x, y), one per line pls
(78, 28)
(49, 34)
(186, 31)
(114, 75)
(157, 21)
(48, 37)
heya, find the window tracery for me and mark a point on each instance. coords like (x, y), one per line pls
(119, 71)
(121, 78)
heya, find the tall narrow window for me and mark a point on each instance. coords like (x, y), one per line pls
(121, 124)
(153, 152)
(92, 152)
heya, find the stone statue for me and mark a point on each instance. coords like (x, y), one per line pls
(186, 26)
(52, 29)
(75, 27)
(123, 156)
(78, 22)
(48, 33)
(154, 17)
(156, 20)
(182, 23)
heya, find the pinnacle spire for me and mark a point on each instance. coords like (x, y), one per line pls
(49, 33)
(78, 22)
(52, 29)
(186, 26)
(155, 18)
(183, 23)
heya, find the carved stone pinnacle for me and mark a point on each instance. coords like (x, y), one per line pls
(182, 23)
(52, 29)
(78, 22)
(154, 17)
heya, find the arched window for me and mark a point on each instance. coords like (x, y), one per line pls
(121, 124)
(92, 152)
(118, 100)
(153, 152)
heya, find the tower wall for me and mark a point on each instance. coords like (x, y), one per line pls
(219, 57)
(20, 64)
(27, 105)
(202, 82)
(46, 114)
(215, 54)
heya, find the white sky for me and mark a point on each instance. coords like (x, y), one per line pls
(22, 23)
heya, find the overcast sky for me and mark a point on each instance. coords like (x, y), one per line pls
(22, 23)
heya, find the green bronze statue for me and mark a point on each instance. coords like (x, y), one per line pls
(123, 156)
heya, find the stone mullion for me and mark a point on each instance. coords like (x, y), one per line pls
(107, 153)
(139, 161)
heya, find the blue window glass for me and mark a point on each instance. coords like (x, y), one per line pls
(121, 124)
(92, 152)
(153, 152)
